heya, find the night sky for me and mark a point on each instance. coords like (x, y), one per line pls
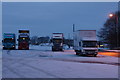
(45, 18)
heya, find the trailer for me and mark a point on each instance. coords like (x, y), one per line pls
(9, 41)
(85, 42)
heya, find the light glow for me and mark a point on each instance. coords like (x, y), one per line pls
(111, 15)
(101, 45)
(23, 38)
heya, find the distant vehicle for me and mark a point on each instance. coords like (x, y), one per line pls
(85, 42)
(23, 39)
(57, 40)
(9, 41)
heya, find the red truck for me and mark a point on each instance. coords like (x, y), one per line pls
(23, 39)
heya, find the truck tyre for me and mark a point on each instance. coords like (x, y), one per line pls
(95, 55)
(13, 48)
(77, 53)
(53, 49)
(4, 48)
(61, 49)
(27, 48)
(19, 48)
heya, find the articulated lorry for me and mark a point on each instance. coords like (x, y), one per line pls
(85, 42)
(9, 41)
(57, 40)
(23, 39)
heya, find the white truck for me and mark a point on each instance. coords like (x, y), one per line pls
(57, 40)
(85, 42)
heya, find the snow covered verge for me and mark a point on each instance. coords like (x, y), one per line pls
(113, 50)
(41, 62)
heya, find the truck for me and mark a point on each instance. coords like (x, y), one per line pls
(57, 40)
(9, 41)
(23, 39)
(85, 42)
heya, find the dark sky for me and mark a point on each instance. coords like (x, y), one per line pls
(45, 18)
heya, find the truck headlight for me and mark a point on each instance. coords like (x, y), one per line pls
(2, 46)
(13, 46)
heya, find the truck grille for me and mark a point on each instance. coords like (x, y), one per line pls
(90, 51)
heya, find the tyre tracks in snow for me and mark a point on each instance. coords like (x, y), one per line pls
(24, 63)
(78, 61)
(41, 70)
(50, 57)
(14, 71)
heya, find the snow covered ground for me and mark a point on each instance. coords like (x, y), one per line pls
(113, 50)
(41, 62)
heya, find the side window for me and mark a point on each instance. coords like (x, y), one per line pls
(79, 43)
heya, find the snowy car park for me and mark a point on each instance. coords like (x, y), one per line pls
(41, 62)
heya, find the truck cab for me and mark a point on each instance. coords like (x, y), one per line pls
(9, 41)
(85, 42)
(23, 40)
(87, 48)
(57, 45)
(57, 40)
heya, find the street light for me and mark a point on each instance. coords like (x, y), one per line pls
(111, 15)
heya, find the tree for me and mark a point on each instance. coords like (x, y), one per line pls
(34, 40)
(44, 39)
(68, 42)
(110, 31)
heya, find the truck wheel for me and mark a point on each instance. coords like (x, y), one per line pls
(77, 53)
(13, 48)
(4, 48)
(27, 48)
(53, 49)
(19, 49)
(95, 55)
(61, 49)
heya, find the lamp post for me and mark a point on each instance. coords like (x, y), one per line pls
(111, 15)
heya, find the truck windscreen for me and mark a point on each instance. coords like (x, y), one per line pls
(89, 43)
(9, 40)
(57, 41)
